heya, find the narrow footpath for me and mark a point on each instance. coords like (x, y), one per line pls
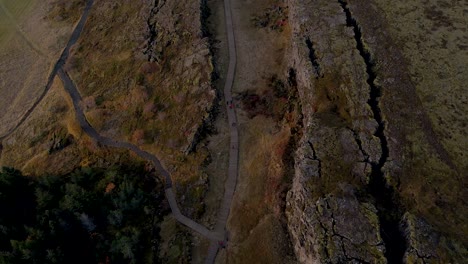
(71, 89)
(218, 235)
(233, 167)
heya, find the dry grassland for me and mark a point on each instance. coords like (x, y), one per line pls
(434, 41)
(50, 140)
(29, 47)
(33, 146)
(256, 220)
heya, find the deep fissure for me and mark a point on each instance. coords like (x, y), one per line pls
(207, 127)
(313, 58)
(314, 157)
(152, 32)
(359, 143)
(296, 128)
(389, 212)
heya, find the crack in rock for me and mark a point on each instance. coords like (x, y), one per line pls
(313, 59)
(152, 31)
(359, 143)
(388, 212)
(314, 157)
(341, 237)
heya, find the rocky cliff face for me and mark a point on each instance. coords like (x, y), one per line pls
(331, 227)
(334, 164)
(348, 201)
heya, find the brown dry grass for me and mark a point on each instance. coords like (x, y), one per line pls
(163, 101)
(261, 174)
(432, 37)
(32, 47)
(65, 11)
(269, 244)
(136, 94)
(28, 148)
(256, 221)
(256, 214)
(33, 137)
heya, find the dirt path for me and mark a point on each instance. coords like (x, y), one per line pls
(233, 168)
(219, 232)
(71, 89)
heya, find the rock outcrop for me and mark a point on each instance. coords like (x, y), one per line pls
(329, 219)
(334, 228)
(366, 134)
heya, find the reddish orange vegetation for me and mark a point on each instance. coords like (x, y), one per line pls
(149, 109)
(138, 136)
(110, 187)
(150, 68)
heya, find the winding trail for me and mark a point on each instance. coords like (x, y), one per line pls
(218, 235)
(71, 89)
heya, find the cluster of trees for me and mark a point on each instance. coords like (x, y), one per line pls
(88, 216)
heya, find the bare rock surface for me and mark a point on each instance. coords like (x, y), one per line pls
(331, 229)
(374, 161)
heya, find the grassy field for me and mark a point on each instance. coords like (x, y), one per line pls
(5, 28)
(17, 7)
(30, 43)
(11, 12)
(433, 39)
(21, 66)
